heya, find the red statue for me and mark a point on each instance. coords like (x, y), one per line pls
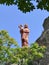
(24, 34)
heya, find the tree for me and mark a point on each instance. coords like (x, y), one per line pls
(6, 49)
(27, 5)
(10, 52)
(27, 55)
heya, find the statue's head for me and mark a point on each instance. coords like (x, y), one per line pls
(25, 26)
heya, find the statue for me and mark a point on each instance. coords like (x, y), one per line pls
(24, 34)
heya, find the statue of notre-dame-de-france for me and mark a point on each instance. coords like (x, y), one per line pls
(24, 31)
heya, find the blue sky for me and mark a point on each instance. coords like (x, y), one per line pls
(11, 17)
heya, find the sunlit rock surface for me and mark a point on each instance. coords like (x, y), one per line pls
(44, 40)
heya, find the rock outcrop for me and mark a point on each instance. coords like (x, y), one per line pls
(44, 40)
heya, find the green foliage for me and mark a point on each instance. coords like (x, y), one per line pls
(6, 43)
(27, 55)
(15, 54)
(43, 4)
(27, 5)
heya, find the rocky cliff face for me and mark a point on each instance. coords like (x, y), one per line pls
(44, 40)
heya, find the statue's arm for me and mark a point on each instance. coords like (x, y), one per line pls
(21, 28)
